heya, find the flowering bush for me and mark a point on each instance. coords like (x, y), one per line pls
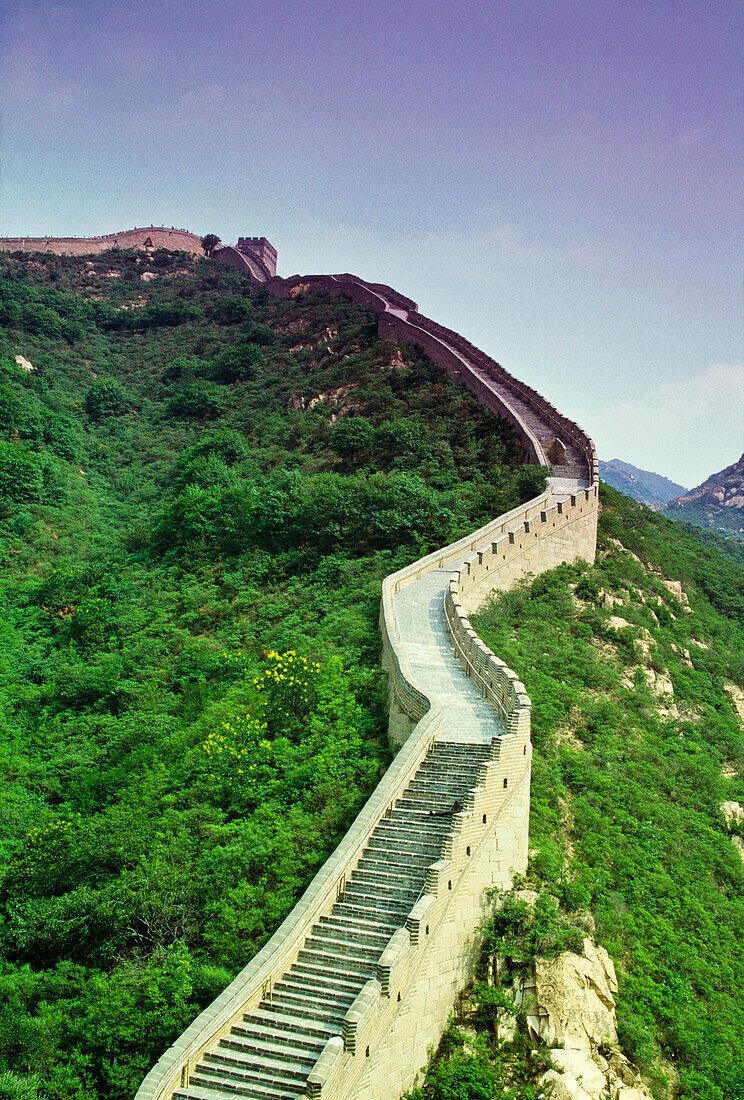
(235, 752)
(288, 686)
(232, 664)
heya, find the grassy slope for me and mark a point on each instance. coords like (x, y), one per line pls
(170, 514)
(627, 784)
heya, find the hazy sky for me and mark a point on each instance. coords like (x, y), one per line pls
(559, 180)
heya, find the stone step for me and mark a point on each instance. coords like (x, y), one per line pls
(388, 876)
(363, 886)
(457, 772)
(258, 1091)
(338, 947)
(282, 1063)
(373, 882)
(389, 910)
(308, 1001)
(275, 1021)
(422, 805)
(437, 828)
(375, 927)
(210, 1086)
(337, 981)
(437, 785)
(400, 845)
(378, 858)
(330, 975)
(399, 874)
(398, 841)
(351, 934)
(249, 1071)
(457, 748)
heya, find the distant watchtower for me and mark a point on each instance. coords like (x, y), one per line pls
(261, 249)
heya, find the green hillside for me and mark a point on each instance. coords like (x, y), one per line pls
(637, 743)
(201, 489)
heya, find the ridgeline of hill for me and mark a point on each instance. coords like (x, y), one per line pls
(642, 485)
(201, 489)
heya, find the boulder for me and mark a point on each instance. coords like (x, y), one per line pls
(571, 999)
(562, 1086)
(733, 813)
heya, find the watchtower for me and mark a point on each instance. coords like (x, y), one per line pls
(261, 249)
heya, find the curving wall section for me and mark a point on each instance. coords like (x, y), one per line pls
(402, 1008)
(382, 946)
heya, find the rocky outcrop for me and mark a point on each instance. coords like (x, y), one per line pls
(724, 489)
(718, 503)
(569, 1004)
(733, 813)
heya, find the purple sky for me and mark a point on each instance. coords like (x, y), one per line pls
(559, 180)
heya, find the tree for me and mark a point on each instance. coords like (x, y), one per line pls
(209, 243)
(237, 363)
(351, 437)
(21, 475)
(199, 400)
(106, 398)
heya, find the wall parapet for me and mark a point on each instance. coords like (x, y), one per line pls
(161, 236)
(278, 954)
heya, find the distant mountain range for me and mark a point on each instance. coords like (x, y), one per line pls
(643, 485)
(717, 504)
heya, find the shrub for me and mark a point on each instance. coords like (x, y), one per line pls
(198, 400)
(21, 474)
(60, 434)
(228, 445)
(105, 398)
(351, 437)
(237, 363)
(166, 313)
(184, 366)
(232, 310)
(18, 414)
(531, 481)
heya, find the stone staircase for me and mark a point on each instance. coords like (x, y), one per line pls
(269, 1055)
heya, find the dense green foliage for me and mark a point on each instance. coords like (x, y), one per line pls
(628, 779)
(719, 520)
(201, 489)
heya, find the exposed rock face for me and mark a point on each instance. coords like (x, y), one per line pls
(725, 489)
(717, 503)
(733, 813)
(572, 999)
(569, 1002)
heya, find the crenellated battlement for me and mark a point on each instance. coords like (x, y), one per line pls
(260, 247)
(145, 237)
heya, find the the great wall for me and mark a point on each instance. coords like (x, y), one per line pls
(349, 993)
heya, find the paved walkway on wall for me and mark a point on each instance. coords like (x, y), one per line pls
(419, 611)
